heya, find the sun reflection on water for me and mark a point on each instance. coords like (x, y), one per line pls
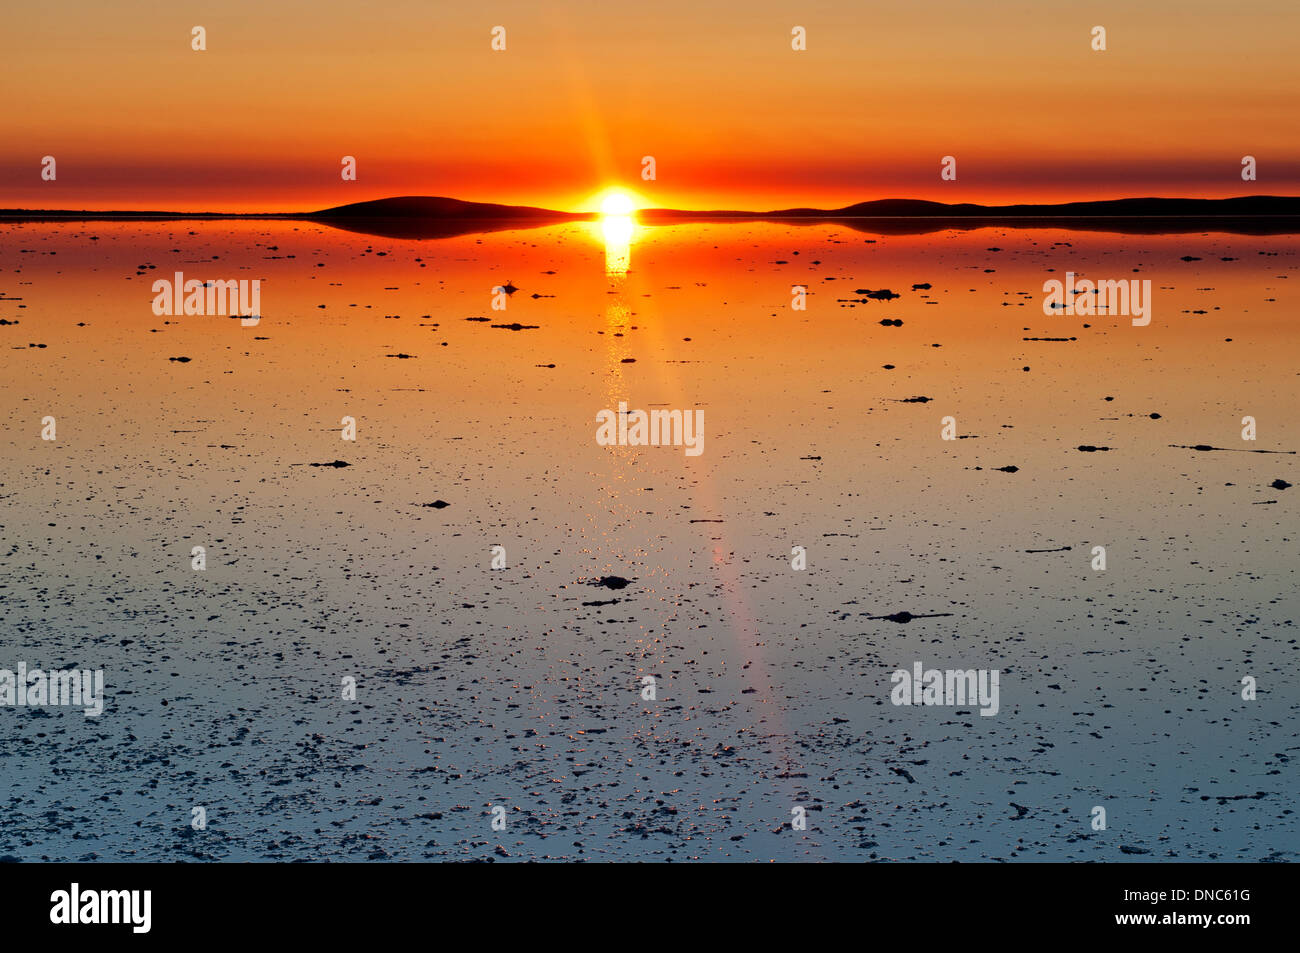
(618, 232)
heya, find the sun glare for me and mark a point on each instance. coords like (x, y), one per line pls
(617, 228)
(616, 202)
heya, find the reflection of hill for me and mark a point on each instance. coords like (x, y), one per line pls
(1246, 215)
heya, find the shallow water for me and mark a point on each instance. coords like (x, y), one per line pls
(521, 687)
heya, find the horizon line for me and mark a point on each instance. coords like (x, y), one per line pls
(505, 211)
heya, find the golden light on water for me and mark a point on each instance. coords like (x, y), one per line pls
(617, 230)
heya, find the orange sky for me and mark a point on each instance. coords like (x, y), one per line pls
(732, 115)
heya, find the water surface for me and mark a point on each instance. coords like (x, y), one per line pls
(521, 687)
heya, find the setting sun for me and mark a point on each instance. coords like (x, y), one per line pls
(617, 202)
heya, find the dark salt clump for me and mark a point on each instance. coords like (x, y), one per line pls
(905, 616)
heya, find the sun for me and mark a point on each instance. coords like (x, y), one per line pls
(616, 202)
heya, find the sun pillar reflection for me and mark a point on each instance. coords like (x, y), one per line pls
(617, 231)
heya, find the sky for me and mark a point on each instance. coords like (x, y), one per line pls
(733, 117)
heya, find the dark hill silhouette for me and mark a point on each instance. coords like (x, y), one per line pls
(432, 216)
(420, 216)
(1244, 215)
(1109, 208)
(436, 206)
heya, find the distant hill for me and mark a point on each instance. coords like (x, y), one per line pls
(431, 207)
(424, 216)
(434, 206)
(427, 207)
(1248, 205)
(432, 216)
